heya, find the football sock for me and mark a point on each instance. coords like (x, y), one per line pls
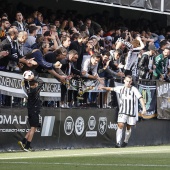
(28, 145)
(127, 135)
(119, 135)
(24, 141)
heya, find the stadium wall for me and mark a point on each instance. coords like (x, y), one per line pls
(77, 128)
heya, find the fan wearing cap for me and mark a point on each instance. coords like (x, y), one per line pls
(146, 64)
(33, 86)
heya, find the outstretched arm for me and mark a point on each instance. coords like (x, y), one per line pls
(107, 88)
(143, 105)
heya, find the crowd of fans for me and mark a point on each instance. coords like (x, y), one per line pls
(66, 45)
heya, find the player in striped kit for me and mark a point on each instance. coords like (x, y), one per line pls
(128, 96)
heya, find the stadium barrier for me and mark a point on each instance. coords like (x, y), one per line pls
(77, 128)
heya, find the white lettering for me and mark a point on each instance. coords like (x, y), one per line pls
(112, 126)
(163, 89)
(4, 119)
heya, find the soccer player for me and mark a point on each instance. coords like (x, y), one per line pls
(33, 87)
(127, 109)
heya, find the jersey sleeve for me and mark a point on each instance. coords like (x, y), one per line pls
(137, 93)
(117, 89)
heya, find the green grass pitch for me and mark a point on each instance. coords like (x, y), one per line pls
(130, 158)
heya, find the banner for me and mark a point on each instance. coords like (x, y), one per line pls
(163, 100)
(83, 85)
(14, 126)
(61, 128)
(148, 91)
(91, 128)
(11, 85)
(76, 128)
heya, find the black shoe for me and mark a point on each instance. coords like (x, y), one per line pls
(124, 144)
(118, 145)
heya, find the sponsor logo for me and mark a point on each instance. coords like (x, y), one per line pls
(68, 125)
(13, 119)
(91, 134)
(92, 123)
(48, 126)
(16, 130)
(102, 125)
(112, 126)
(79, 126)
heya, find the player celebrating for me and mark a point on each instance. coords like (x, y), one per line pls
(32, 87)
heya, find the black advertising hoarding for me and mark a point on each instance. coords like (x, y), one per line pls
(88, 127)
(61, 128)
(77, 128)
(14, 125)
(163, 100)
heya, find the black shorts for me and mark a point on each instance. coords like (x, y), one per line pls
(34, 118)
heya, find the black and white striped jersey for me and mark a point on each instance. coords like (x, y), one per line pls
(132, 61)
(128, 97)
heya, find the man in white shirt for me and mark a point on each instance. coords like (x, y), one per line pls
(89, 66)
(89, 70)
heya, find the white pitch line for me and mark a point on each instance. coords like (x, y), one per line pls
(87, 164)
(119, 152)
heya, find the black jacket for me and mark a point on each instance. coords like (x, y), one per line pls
(143, 66)
(81, 50)
(13, 53)
(65, 67)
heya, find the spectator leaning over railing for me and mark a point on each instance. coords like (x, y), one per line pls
(146, 63)
(69, 70)
(161, 65)
(89, 70)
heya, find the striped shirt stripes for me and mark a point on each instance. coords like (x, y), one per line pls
(128, 99)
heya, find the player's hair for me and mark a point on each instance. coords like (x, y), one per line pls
(129, 76)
